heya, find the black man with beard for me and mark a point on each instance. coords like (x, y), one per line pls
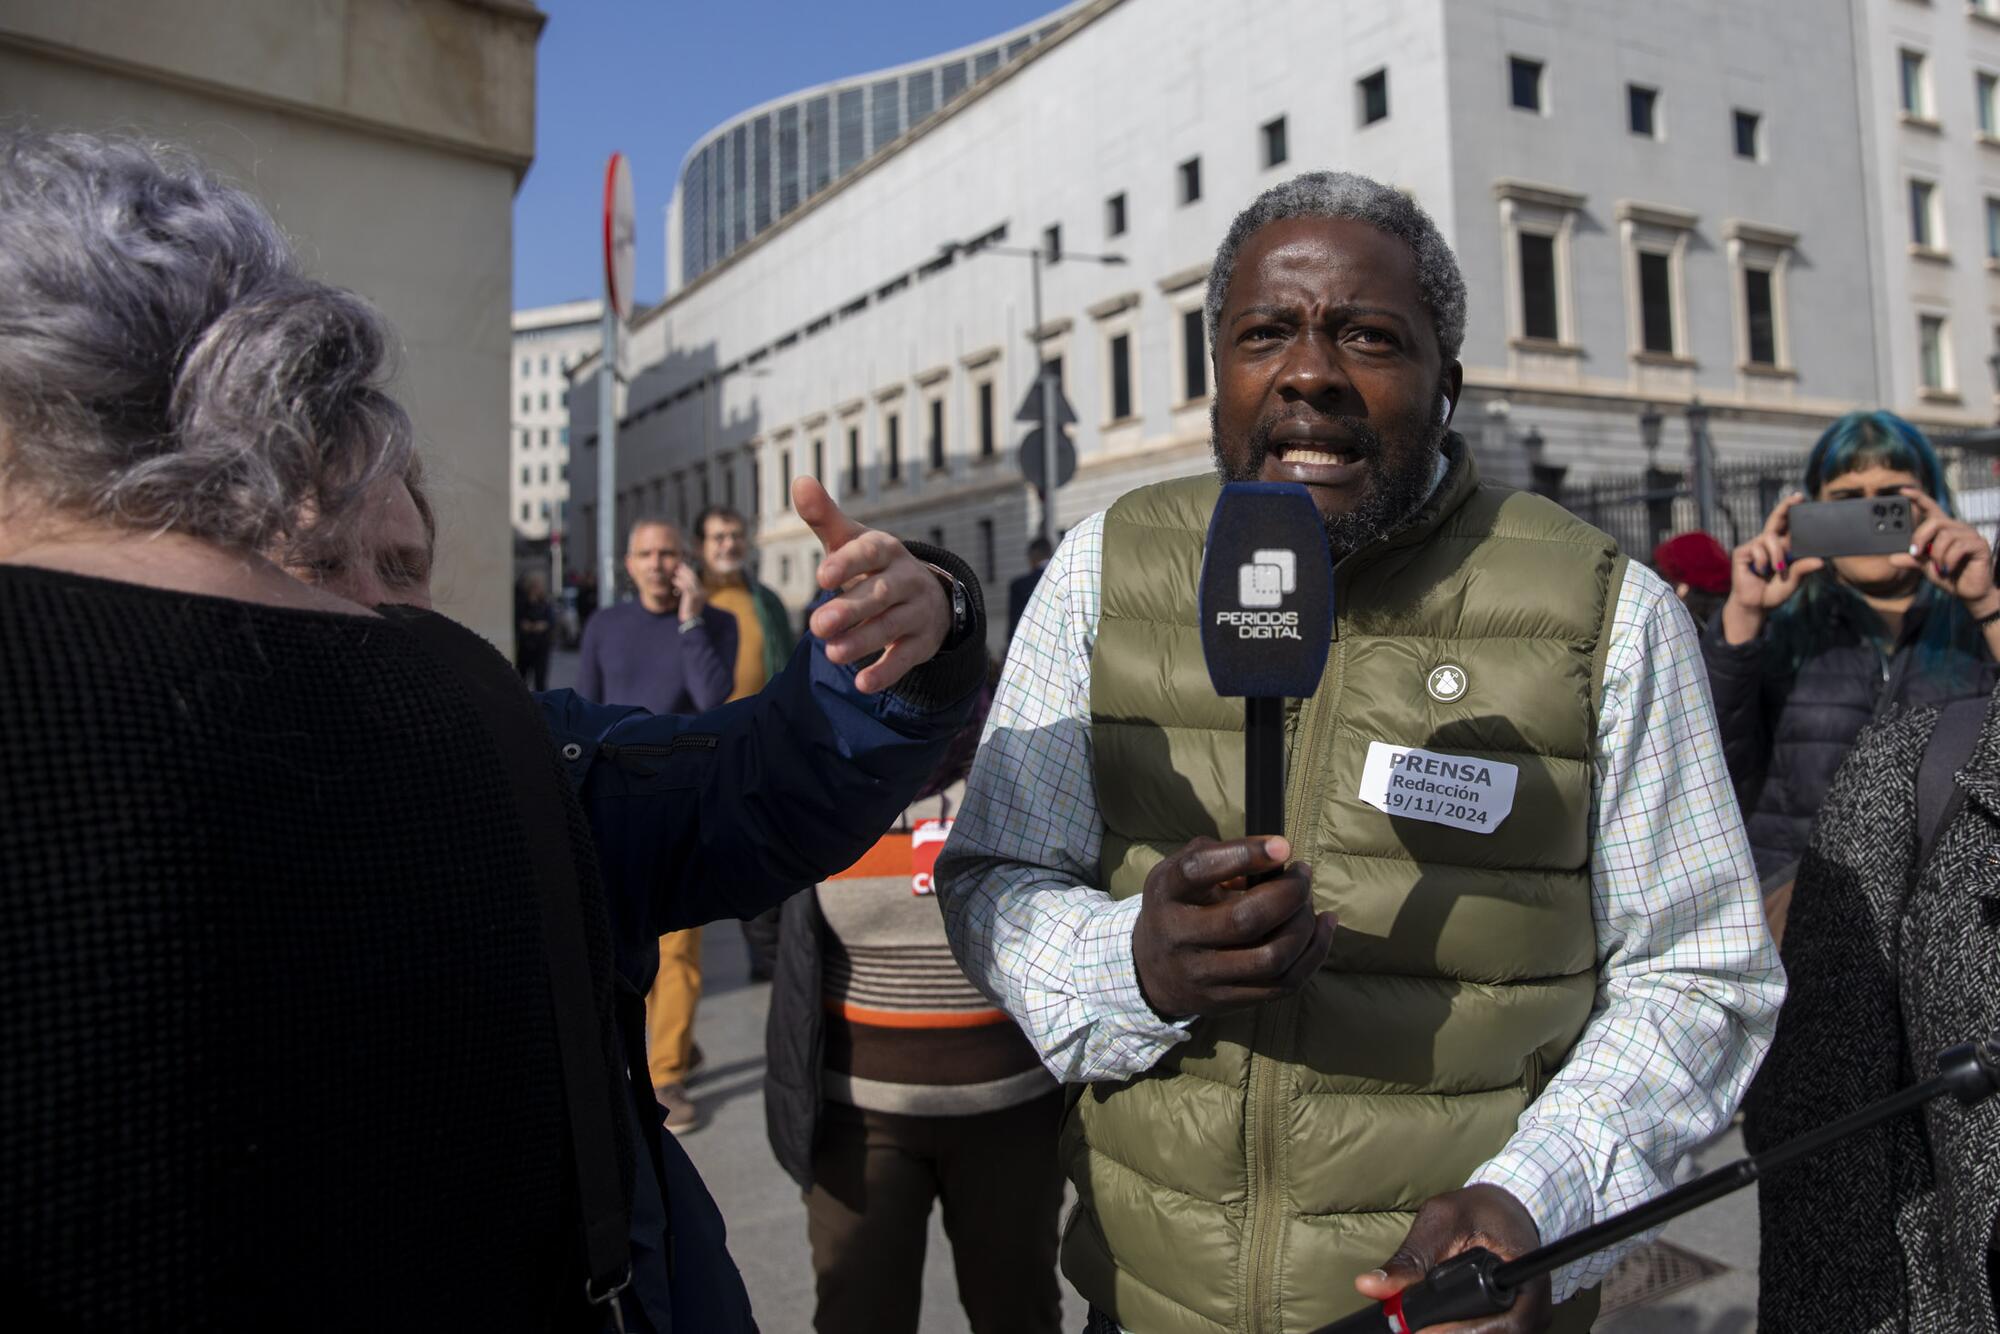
(1490, 1017)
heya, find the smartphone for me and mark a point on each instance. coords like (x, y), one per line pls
(1865, 526)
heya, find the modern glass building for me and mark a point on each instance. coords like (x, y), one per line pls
(751, 171)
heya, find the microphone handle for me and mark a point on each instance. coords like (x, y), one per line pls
(1263, 768)
(1462, 1288)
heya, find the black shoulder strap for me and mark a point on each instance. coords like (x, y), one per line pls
(527, 753)
(1939, 796)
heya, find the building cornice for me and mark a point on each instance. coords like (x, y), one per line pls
(972, 361)
(1656, 215)
(1182, 279)
(1051, 329)
(1511, 190)
(1756, 233)
(1112, 305)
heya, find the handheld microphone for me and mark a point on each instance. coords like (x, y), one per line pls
(1266, 624)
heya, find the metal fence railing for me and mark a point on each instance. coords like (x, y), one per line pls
(1641, 510)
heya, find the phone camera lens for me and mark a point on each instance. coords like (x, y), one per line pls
(1881, 510)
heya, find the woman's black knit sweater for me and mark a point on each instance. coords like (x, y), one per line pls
(275, 1043)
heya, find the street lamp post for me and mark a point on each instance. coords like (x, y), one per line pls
(1703, 452)
(1044, 378)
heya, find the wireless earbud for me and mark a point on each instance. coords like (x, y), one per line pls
(1444, 408)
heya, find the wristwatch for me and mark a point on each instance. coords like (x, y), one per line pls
(961, 606)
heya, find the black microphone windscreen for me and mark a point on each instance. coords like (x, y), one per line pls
(1266, 592)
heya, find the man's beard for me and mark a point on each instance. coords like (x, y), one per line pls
(1399, 478)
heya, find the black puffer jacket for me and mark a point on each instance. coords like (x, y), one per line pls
(1784, 735)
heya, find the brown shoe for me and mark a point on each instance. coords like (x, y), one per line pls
(677, 1110)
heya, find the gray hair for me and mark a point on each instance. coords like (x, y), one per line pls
(164, 364)
(1342, 194)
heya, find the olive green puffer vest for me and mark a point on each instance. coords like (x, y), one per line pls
(1244, 1182)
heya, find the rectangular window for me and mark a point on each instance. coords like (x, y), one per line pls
(1121, 376)
(526, 366)
(819, 461)
(850, 131)
(760, 172)
(1930, 350)
(1052, 244)
(527, 438)
(1916, 102)
(788, 159)
(853, 484)
(524, 474)
(1641, 110)
(1923, 214)
(562, 434)
(739, 182)
(1190, 180)
(1114, 215)
(937, 435)
(1986, 102)
(1276, 150)
(1538, 287)
(524, 511)
(1373, 93)
(885, 101)
(985, 63)
(892, 464)
(819, 145)
(545, 402)
(1656, 303)
(1760, 313)
(953, 81)
(756, 486)
(1747, 125)
(986, 443)
(1194, 354)
(545, 437)
(527, 403)
(1992, 228)
(1524, 78)
(545, 474)
(920, 96)
(988, 554)
(545, 365)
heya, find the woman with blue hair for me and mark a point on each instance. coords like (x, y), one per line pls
(1805, 652)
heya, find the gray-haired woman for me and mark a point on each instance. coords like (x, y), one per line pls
(276, 1040)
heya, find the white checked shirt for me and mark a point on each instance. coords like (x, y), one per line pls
(1688, 981)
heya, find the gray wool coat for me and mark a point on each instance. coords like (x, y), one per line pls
(1889, 963)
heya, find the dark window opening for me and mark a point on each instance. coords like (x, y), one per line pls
(853, 486)
(1194, 353)
(1525, 82)
(1276, 150)
(1052, 244)
(986, 420)
(1641, 110)
(1761, 315)
(1190, 180)
(1114, 215)
(819, 460)
(1746, 134)
(785, 480)
(892, 468)
(1538, 287)
(1374, 97)
(1656, 311)
(1121, 377)
(937, 435)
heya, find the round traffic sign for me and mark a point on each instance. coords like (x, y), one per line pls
(620, 236)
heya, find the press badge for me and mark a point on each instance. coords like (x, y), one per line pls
(1456, 790)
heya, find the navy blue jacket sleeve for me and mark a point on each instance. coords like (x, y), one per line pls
(725, 813)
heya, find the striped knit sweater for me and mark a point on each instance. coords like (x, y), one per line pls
(906, 1032)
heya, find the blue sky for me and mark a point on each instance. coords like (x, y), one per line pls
(647, 77)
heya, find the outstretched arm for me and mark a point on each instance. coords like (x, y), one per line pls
(727, 812)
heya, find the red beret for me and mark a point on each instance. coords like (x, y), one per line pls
(1694, 559)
